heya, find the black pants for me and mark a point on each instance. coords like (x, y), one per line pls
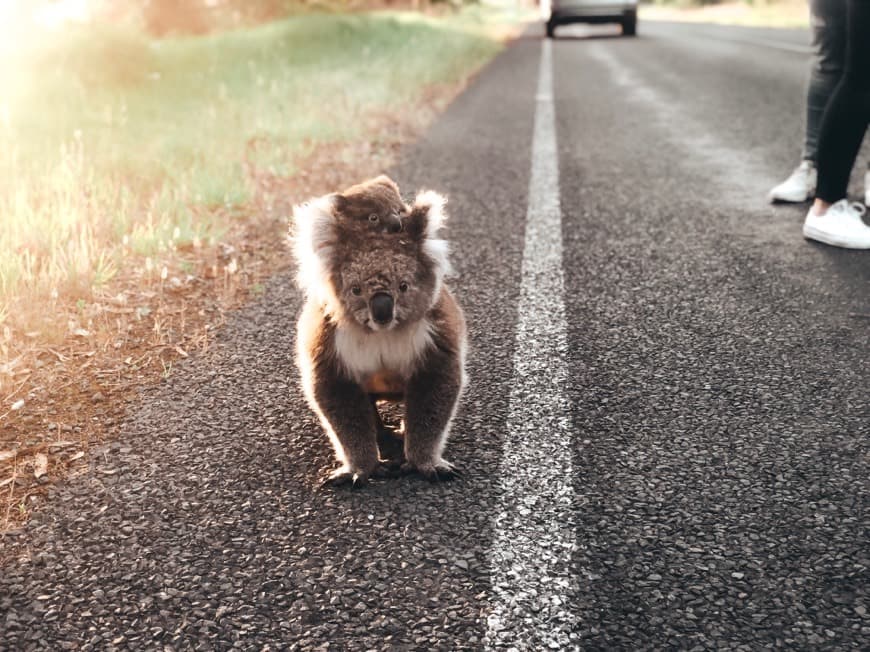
(848, 112)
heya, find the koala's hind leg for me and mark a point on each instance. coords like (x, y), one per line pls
(431, 398)
(349, 419)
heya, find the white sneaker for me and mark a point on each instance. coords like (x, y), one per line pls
(840, 226)
(799, 187)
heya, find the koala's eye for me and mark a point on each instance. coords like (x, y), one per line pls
(356, 290)
(373, 217)
(403, 286)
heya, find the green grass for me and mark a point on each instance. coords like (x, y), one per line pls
(114, 146)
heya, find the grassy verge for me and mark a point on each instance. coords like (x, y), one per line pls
(760, 13)
(144, 188)
(116, 146)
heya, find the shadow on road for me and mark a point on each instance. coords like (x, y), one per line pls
(581, 32)
(595, 37)
(577, 32)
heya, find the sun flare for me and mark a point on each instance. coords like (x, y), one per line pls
(50, 13)
(22, 21)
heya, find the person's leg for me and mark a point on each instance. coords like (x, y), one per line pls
(828, 19)
(832, 219)
(846, 117)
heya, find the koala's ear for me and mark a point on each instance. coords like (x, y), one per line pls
(314, 222)
(384, 180)
(427, 215)
(314, 235)
(423, 225)
(339, 203)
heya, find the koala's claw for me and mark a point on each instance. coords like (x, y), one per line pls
(342, 476)
(441, 472)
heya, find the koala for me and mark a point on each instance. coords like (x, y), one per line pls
(373, 205)
(379, 324)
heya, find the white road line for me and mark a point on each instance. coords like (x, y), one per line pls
(534, 536)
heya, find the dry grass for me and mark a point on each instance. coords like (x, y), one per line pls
(129, 147)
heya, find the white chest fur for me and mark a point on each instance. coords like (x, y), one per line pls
(365, 353)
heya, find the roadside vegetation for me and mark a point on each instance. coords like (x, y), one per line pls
(116, 147)
(145, 184)
(751, 13)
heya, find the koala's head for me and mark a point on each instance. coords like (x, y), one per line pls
(374, 279)
(373, 205)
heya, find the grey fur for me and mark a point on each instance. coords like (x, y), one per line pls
(349, 362)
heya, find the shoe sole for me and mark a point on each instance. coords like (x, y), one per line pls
(779, 199)
(811, 233)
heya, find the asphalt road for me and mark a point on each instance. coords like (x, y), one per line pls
(700, 420)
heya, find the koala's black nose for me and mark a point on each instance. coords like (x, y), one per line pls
(394, 225)
(382, 308)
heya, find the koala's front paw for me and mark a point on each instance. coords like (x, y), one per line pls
(344, 475)
(439, 471)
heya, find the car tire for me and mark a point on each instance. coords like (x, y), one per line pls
(629, 24)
